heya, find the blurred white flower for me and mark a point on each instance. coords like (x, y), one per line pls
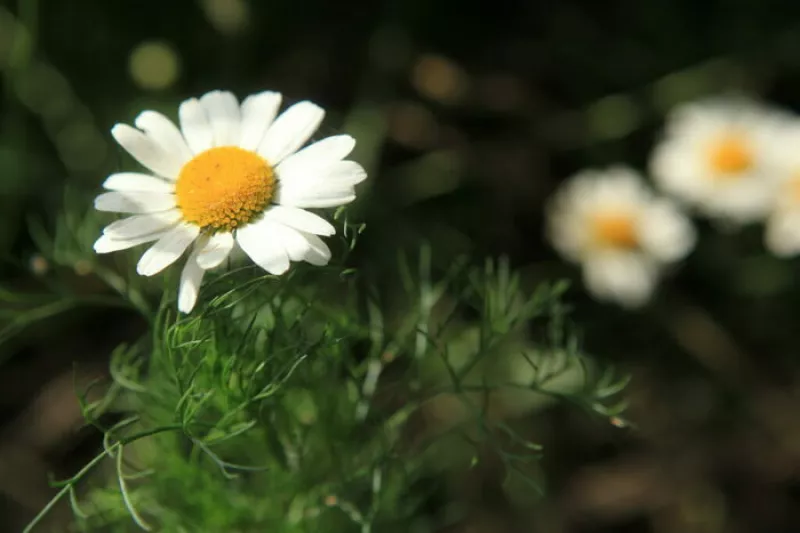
(715, 155)
(231, 176)
(621, 233)
(783, 223)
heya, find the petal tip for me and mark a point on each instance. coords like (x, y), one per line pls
(280, 269)
(310, 104)
(209, 94)
(309, 107)
(145, 267)
(120, 129)
(100, 246)
(142, 116)
(100, 203)
(217, 93)
(188, 102)
(186, 304)
(359, 173)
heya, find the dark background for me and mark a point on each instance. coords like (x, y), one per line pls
(468, 115)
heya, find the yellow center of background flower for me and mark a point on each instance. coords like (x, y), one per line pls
(224, 188)
(615, 230)
(730, 155)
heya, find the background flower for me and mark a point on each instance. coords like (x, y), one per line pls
(782, 236)
(621, 234)
(715, 155)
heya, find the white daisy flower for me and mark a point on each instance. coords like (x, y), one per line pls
(622, 234)
(715, 156)
(783, 223)
(231, 176)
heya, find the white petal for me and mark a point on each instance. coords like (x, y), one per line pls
(107, 243)
(138, 225)
(324, 152)
(328, 186)
(300, 219)
(147, 152)
(314, 197)
(167, 250)
(566, 229)
(189, 287)
(290, 131)
(783, 233)
(215, 251)
(133, 181)
(259, 242)
(194, 124)
(626, 278)
(258, 112)
(665, 232)
(134, 202)
(344, 173)
(744, 202)
(164, 132)
(293, 241)
(621, 185)
(317, 253)
(222, 110)
(301, 246)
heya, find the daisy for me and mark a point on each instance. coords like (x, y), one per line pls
(715, 156)
(783, 223)
(611, 223)
(230, 177)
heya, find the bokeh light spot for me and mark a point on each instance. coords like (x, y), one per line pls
(154, 65)
(440, 79)
(227, 16)
(412, 125)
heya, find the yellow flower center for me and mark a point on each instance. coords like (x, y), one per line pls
(614, 230)
(224, 188)
(730, 155)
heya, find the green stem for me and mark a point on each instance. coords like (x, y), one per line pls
(70, 484)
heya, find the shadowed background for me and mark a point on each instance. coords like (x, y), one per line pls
(468, 115)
